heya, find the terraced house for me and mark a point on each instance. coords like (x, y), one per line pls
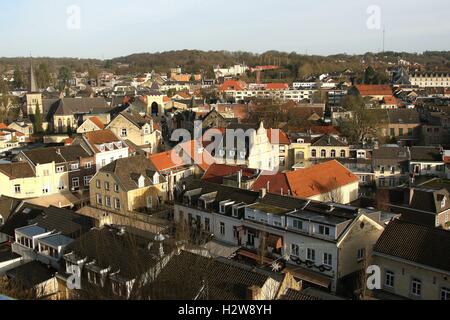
(321, 244)
(47, 171)
(137, 129)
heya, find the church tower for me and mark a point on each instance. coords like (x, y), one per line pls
(32, 85)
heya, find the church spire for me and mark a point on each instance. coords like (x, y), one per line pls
(32, 84)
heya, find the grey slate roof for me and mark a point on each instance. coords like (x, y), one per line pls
(426, 154)
(420, 244)
(128, 171)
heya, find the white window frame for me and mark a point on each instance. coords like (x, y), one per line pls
(416, 287)
(311, 255)
(389, 280)
(328, 259)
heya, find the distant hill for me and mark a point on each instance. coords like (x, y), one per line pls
(292, 65)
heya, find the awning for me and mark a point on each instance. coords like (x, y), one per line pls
(309, 276)
(254, 256)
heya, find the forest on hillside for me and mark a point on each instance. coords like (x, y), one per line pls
(292, 66)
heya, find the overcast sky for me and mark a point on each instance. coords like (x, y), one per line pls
(111, 28)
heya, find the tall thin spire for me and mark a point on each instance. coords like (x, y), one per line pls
(32, 84)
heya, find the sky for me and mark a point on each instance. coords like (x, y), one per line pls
(110, 28)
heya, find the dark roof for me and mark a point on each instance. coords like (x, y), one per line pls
(31, 274)
(69, 106)
(136, 119)
(222, 279)
(65, 221)
(426, 154)
(20, 218)
(416, 243)
(130, 254)
(129, 170)
(297, 296)
(7, 205)
(328, 141)
(17, 170)
(56, 154)
(6, 254)
(391, 153)
(403, 116)
(430, 200)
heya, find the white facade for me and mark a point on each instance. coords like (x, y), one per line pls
(430, 80)
(108, 154)
(281, 95)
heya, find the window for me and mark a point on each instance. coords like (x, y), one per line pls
(323, 154)
(86, 180)
(17, 188)
(75, 182)
(445, 294)
(400, 132)
(103, 162)
(108, 201)
(390, 278)
(416, 287)
(295, 250)
(382, 169)
(361, 255)
(207, 225)
(222, 228)
(124, 132)
(311, 255)
(333, 153)
(343, 154)
(324, 230)
(410, 132)
(94, 278)
(392, 132)
(98, 184)
(106, 186)
(88, 165)
(327, 259)
(298, 224)
(74, 166)
(392, 170)
(116, 187)
(99, 199)
(314, 153)
(60, 169)
(116, 203)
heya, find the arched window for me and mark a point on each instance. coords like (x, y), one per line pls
(343, 154)
(323, 153)
(314, 153)
(333, 153)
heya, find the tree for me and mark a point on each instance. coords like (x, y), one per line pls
(19, 82)
(43, 76)
(363, 123)
(37, 123)
(64, 77)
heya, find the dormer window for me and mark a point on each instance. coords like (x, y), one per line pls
(111, 146)
(444, 203)
(141, 182)
(323, 230)
(102, 148)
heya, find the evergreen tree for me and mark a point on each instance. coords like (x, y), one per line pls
(37, 119)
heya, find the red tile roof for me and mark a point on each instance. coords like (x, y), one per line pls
(101, 137)
(277, 183)
(233, 85)
(195, 154)
(374, 90)
(3, 126)
(97, 122)
(319, 179)
(277, 136)
(277, 86)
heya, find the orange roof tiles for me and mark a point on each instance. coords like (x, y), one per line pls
(277, 86)
(194, 152)
(97, 122)
(374, 90)
(277, 183)
(277, 136)
(3, 126)
(233, 85)
(319, 179)
(101, 137)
